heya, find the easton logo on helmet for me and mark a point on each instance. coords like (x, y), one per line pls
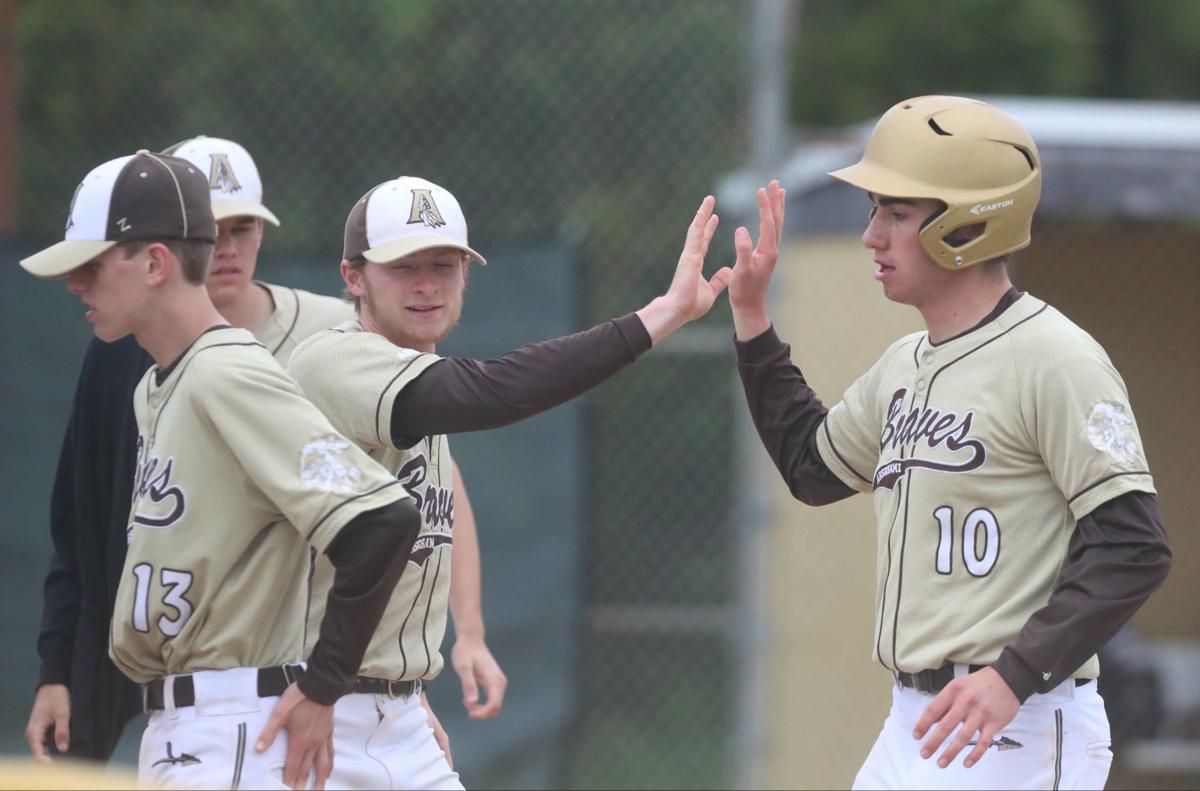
(983, 208)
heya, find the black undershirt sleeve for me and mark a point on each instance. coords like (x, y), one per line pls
(368, 556)
(1117, 557)
(455, 395)
(787, 414)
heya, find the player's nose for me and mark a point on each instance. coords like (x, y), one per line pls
(224, 247)
(425, 283)
(872, 236)
(77, 280)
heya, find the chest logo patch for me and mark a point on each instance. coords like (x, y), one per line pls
(1110, 429)
(923, 430)
(323, 466)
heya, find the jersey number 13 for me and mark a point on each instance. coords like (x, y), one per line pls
(176, 583)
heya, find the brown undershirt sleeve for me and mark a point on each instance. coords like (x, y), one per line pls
(1117, 557)
(368, 556)
(455, 395)
(787, 414)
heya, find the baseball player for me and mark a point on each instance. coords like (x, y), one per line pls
(81, 696)
(1016, 518)
(236, 477)
(82, 699)
(405, 264)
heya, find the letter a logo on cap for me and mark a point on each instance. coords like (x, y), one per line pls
(221, 175)
(424, 210)
(71, 211)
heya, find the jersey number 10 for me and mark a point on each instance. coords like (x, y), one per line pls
(980, 541)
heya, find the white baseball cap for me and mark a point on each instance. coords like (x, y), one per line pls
(130, 198)
(404, 216)
(233, 178)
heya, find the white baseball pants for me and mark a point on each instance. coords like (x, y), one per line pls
(1058, 740)
(211, 744)
(385, 742)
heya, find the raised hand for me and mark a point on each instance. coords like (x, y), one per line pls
(755, 264)
(690, 295)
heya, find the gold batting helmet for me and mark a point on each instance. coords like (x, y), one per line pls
(965, 153)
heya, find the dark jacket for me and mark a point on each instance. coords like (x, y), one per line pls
(89, 509)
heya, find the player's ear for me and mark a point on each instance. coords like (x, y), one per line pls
(159, 264)
(352, 277)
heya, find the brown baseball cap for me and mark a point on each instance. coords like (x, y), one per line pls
(140, 196)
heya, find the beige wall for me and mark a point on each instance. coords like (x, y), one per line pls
(1136, 292)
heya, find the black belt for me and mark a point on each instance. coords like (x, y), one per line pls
(272, 681)
(382, 686)
(934, 681)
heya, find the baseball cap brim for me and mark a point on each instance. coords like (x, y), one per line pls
(224, 209)
(58, 260)
(398, 248)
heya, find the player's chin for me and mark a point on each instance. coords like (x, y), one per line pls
(108, 333)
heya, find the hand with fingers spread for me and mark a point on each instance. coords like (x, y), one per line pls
(309, 728)
(690, 295)
(51, 712)
(755, 263)
(981, 702)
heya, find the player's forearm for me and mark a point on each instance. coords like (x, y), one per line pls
(787, 414)
(368, 556)
(1118, 556)
(456, 395)
(466, 595)
(749, 322)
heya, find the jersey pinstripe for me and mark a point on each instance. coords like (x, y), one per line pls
(353, 376)
(982, 453)
(237, 475)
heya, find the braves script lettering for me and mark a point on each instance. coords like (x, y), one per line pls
(149, 482)
(925, 429)
(435, 503)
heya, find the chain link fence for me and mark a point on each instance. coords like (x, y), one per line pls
(595, 125)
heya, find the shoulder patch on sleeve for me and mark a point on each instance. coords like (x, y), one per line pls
(1109, 429)
(324, 466)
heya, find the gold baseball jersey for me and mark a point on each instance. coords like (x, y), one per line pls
(236, 476)
(982, 453)
(297, 315)
(353, 376)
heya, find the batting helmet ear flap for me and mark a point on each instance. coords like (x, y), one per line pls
(976, 160)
